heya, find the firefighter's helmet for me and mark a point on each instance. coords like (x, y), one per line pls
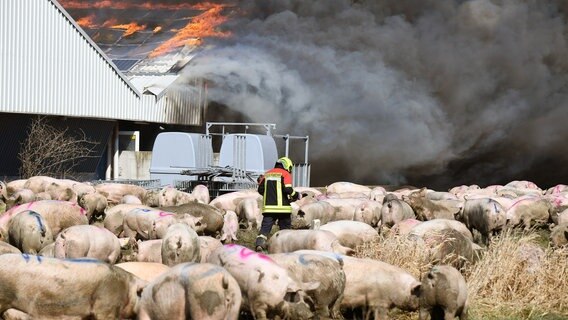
(286, 163)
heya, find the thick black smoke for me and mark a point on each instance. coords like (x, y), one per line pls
(435, 93)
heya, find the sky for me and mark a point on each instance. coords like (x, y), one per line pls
(419, 92)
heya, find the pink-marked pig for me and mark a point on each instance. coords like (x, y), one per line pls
(229, 201)
(201, 193)
(207, 245)
(147, 224)
(58, 215)
(149, 251)
(192, 291)
(315, 268)
(378, 286)
(86, 288)
(114, 216)
(114, 192)
(29, 232)
(487, 216)
(211, 221)
(87, 241)
(351, 233)
(248, 210)
(94, 204)
(230, 227)
(180, 244)
(403, 227)
(528, 210)
(320, 210)
(268, 289)
(394, 211)
(443, 294)
(147, 271)
(292, 240)
(559, 188)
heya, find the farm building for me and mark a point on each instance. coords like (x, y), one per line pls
(51, 67)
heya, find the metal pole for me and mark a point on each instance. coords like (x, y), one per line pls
(307, 146)
(287, 139)
(115, 156)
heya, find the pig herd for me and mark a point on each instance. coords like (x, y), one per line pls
(74, 250)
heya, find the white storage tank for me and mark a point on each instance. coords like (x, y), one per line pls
(174, 152)
(250, 152)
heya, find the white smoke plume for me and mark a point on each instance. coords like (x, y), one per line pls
(402, 91)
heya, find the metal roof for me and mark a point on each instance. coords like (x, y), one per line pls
(49, 65)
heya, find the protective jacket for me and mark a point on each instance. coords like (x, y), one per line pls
(276, 189)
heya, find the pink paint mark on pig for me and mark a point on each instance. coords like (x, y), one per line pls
(165, 214)
(29, 205)
(247, 253)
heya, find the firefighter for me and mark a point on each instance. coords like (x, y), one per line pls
(275, 186)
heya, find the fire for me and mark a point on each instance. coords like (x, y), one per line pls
(129, 29)
(87, 22)
(203, 25)
(109, 4)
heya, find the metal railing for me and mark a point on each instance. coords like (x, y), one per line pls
(301, 175)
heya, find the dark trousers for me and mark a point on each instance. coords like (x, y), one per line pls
(268, 219)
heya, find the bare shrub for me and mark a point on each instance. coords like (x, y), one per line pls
(502, 284)
(49, 151)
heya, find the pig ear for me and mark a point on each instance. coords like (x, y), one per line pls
(310, 286)
(415, 291)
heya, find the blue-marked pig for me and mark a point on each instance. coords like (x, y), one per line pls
(180, 244)
(292, 240)
(87, 241)
(29, 232)
(443, 294)
(484, 215)
(314, 268)
(78, 288)
(192, 291)
(268, 289)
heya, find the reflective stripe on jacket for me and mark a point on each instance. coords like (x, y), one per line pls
(276, 189)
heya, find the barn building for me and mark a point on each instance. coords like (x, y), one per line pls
(50, 67)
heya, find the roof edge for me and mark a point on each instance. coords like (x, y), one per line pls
(94, 45)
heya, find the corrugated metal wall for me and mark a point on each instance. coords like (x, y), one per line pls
(48, 65)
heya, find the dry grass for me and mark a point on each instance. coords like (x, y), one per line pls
(502, 284)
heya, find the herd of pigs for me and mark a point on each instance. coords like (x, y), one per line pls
(63, 253)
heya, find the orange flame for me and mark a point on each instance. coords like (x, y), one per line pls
(110, 4)
(87, 22)
(203, 25)
(129, 29)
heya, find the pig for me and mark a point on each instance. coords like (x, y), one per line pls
(320, 210)
(394, 211)
(20, 197)
(192, 291)
(114, 217)
(559, 188)
(94, 204)
(446, 246)
(268, 289)
(147, 224)
(149, 251)
(487, 216)
(563, 217)
(559, 236)
(404, 227)
(147, 271)
(80, 188)
(523, 184)
(39, 183)
(87, 241)
(378, 194)
(151, 198)
(114, 192)
(369, 212)
(29, 232)
(527, 210)
(61, 192)
(338, 187)
(180, 244)
(130, 199)
(170, 196)
(48, 251)
(230, 227)
(351, 233)
(86, 288)
(211, 221)
(248, 210)
(58, 215)
(344, 209)
(201, 193)
(314, 268)
(427, 209)
(8, 248)
(440, 224)
(292, 240)
(443, 294)
(207, 245)
(378, 286)
(42, 196)
(15, 185)
(229, 201)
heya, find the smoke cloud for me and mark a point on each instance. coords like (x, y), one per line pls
(436, 93)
